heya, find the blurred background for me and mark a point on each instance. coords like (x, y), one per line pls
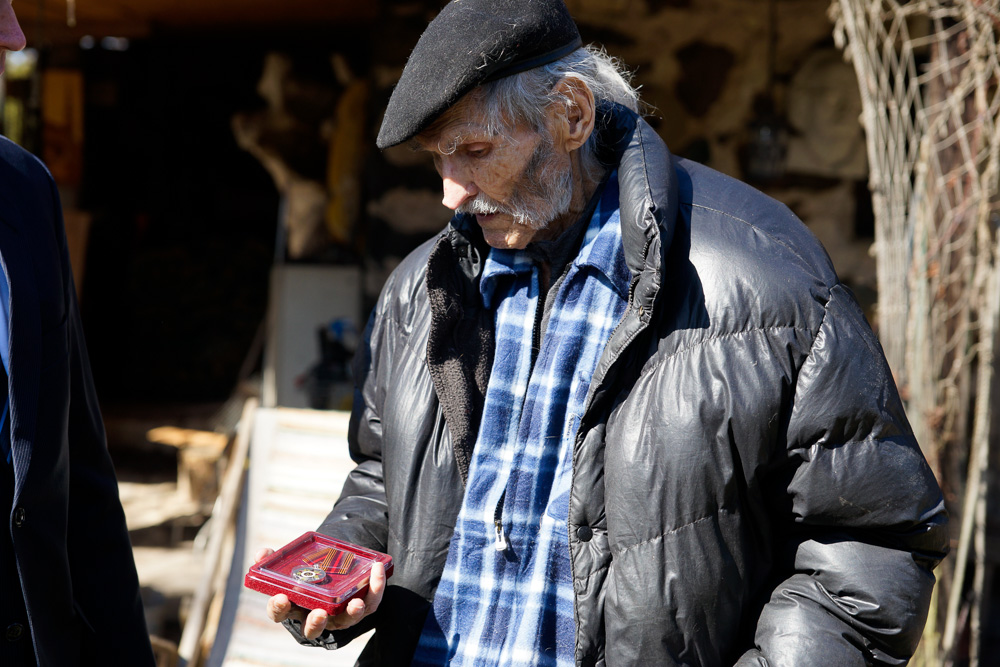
(199, 142)
(231, 222)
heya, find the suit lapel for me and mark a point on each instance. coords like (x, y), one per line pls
(25, 337)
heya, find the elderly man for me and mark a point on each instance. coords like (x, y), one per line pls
(620, 410)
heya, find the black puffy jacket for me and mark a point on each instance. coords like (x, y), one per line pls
(746, 488)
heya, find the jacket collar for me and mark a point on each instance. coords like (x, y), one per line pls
(647, 179)
(648, 205)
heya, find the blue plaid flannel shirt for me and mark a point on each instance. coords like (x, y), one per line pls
(515, 607)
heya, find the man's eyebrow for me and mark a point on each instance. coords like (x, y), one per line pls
(457, 132)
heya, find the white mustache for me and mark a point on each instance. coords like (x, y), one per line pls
(482, 205)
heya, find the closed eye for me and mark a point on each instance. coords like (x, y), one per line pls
(477, 150)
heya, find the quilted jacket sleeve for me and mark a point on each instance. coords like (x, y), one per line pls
(867, 522)
(360, 515)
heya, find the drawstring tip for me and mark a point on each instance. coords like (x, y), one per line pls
(501, 544)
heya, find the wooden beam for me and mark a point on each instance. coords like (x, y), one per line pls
(53, 21)
(191, 13)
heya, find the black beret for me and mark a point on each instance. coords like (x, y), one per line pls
(469, 43)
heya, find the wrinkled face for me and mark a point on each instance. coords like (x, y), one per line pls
(11, 37)
(519, 187)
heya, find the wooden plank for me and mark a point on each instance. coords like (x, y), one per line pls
(191, 638)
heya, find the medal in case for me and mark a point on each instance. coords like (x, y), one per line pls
(317, 572)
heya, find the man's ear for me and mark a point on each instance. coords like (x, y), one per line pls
(574, 114)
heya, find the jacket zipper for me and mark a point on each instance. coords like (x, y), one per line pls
(501, 542)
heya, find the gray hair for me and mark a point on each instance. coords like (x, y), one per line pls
(525, 97)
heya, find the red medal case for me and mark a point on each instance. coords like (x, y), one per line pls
(317, 572)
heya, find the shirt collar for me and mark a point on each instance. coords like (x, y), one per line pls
(602, 244)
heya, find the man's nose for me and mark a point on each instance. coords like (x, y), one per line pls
(11, 35)
(456, 191)
(458, 186)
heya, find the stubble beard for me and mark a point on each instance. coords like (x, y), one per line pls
(543, 192)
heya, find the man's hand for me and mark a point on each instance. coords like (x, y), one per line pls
(279, 607)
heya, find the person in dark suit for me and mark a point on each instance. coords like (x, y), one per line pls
(68, 583)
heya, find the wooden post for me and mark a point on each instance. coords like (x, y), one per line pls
(190, 646)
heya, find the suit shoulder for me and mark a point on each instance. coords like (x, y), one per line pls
(26, 187)
(15, 161)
